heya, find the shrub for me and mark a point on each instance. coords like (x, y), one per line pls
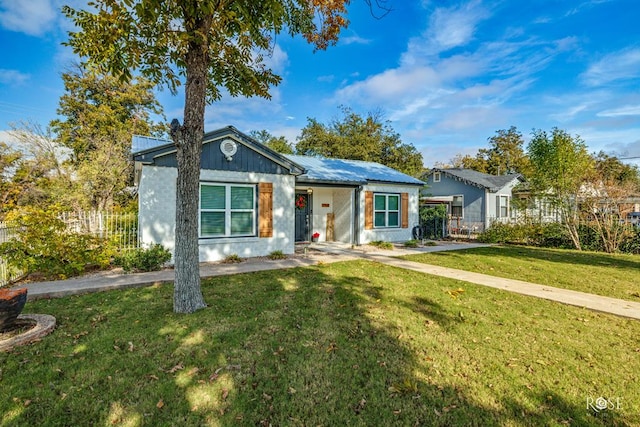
(411, 244)
(381, 244)
(631, 243)
(143, 259)
(550, 235)
(277, 255)
(43, 244)
(232, 259)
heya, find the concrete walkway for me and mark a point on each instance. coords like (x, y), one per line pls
(325, 253)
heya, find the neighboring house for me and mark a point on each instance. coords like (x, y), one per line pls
(536, 208)
(254, 201)
(474, 200)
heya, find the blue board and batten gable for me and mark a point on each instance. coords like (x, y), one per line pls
(250, 156)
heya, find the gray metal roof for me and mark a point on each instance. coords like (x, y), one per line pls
(479, 179)
(349, 172)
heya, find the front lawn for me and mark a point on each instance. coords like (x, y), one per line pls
(612, 275)
(351, 343)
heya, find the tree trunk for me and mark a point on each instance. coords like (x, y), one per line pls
(187, 295)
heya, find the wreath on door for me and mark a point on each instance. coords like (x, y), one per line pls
(301, 202)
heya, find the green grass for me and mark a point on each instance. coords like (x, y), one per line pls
(352, 343)
(613, 275)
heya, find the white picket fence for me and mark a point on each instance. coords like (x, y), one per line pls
(7, 274)
(119, 228)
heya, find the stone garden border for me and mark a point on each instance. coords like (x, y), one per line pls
(44, 324)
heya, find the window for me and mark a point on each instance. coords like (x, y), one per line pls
(504, 206)
(456, 206)
(436, 177)
(386, 210)
(227, 210)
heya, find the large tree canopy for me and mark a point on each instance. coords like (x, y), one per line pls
(504, 155)
(279, 144)
(99, 115)
(355, 137)
(208, 45)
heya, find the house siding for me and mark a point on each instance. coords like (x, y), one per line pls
(157, 204)
(389, 234)
(473, 202)
(492, 204)
(245, 159)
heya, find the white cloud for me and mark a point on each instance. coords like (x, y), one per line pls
(620, 142)
(621, 65)
(393, 84)
(326, 79)
(455, 26)
(12, 77)
(33, 17)
(627, 110)
(277, 60)
(354, 39)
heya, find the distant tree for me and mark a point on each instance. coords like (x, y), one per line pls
(100, 113)
(505, 155)
(611, 169)
(9, 160)
(477, 163)
(211, 44)
(561, 166)
(279, 144)
(37, 175)
(355, 137)
(606, 196)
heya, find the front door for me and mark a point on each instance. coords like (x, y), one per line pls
(303, 209)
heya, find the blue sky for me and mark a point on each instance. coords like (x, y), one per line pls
(446, 74)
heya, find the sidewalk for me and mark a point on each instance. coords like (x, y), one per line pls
(106, 281)
(326, 253)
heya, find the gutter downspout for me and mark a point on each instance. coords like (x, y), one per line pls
(356, 215)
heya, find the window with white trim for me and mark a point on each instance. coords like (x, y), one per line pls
(456, 206)
(386, 210)
(227, 210)
(504, 206)
(436, 177)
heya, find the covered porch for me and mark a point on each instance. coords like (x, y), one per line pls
(330, 212)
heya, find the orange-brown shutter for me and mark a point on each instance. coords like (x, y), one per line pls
(404, 209)
(265, 207)
(368, 210)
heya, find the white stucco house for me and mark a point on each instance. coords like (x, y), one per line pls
(254, 201)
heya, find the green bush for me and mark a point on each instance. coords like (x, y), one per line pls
(549, 235)
(275, 255)
(631, 243)
(381, 244)
(232, 259)
(143, 259)
(411, 244)
(43, 244)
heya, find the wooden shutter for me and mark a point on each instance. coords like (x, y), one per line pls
(368, 210)
(404, 209)
(265, 207)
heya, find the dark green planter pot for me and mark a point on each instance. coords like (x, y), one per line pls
(12, 302)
